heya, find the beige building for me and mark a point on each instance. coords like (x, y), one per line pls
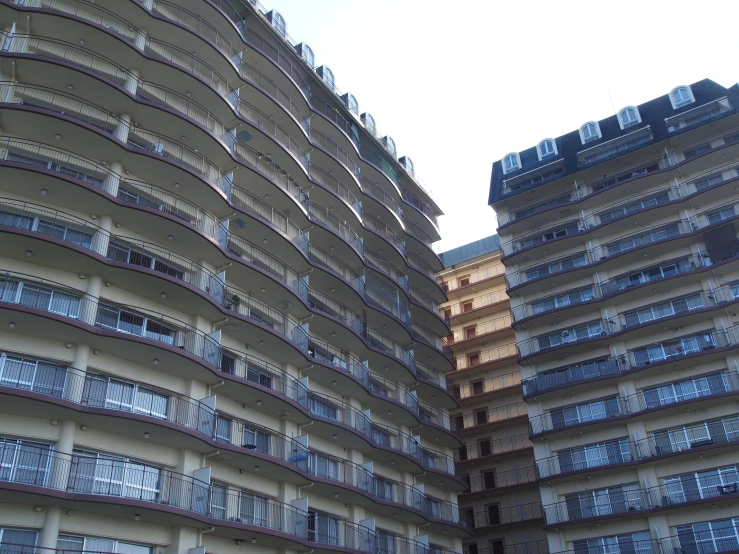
(620, 247)
(219, 324)
(502, 505)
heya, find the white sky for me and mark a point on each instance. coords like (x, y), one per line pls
(459, 85)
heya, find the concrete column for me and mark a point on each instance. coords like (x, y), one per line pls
(113, 180)
(658, 527)
(76, 386)
(101, 239)
(183, 539)
(140, 41)
(132, 83)
(50, 531)
(123, 128)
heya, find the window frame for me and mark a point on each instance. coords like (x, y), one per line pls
(515, 156)
(628, 124)
(592, 138)
(683, 103)
(545, 156)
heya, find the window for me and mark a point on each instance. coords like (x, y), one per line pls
(114, 394)
(223, 429)
(278, 22)
(34, 375)
(218, 500)
(68, 544)
(322, 408)
(369, 123)
(41, 297)
(574, 334)
(352, 104)
(122, 253)
(589, 132)
(386, 542)
(485, 447)
(256, 439)
(665, 309)
(323, 528)
(17, 541)
(488, 479)
(467, 307)
(23, 461)
(464, 281)
(383, 488)
(253, 509)
(481, 417)
(681, 96)
(633, 543)
(493, 513)
(328, 76)
(474, 359)
(601, 502)
(103, 474)
(678, 439)
(562, 300)
(547, 148)
(594, 455)
(478, 387)
(628, 117)
(711, 536)
(511, 163)
(323, 465)
(497, 546)
(704, 484)
(46, 227)
(470, 332)
(112, 317)
(307, 55)
(390, 145)
(581, 413)
(459, 421)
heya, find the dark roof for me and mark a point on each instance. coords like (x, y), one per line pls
(470, 251)
(653, 113)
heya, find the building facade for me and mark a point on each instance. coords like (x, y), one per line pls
(219, 317)
(620, 247)
(502, 504)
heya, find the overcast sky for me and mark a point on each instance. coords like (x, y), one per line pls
(460, 84)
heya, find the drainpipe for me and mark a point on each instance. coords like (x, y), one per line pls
(211, 387)
(203, 532)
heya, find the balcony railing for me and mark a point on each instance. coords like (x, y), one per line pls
(662, 444)
(503, 479)
(486, 356)
(497, 447)
(639, 359)
(472, 278)
(505, 516)
(495, 414)
(378, 226)
(609, 287)
(615, 453)
(634, 547)
(434, 377)
(530, 547)
(480, 329)
(380, 263)
(491, 384)
(567, 337)
(621, 503)
(476, 303)
(422, 299)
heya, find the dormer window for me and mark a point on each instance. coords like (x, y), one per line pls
(681, 96)
(390, 145)
(278, 22)
(590, 132)
(308, 55)
(628, 117)
(511, 163)
(328, 77)
(369, 123)
(547, 149)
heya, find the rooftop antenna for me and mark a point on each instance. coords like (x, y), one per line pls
(611, 97)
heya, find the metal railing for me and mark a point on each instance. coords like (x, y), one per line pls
(496, 447)
(490, 384)
(472, 278)
(555, 232)
(377, 261)
(475, 303)
(378, 226)
(420, 265)
(480, 329)
(619, 451)
(622, 502)
(495, 414)
(434, 377)
(486, 356)
(661, 444)
(503, 479)
(636, 547)
(531, 547)
(496, 515)
(701, 343)
(426, 301)
(567, 337)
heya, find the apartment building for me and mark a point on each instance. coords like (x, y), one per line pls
(620, 248)
(219, 316)
(502, 505)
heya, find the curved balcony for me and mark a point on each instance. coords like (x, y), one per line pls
(166, 335)
(492, 416)
(379, 263)
(490, 385)
(420, 299)
(511, 445)
(501, 481)
(510, 515)
(264, 123)
(706, 344)
(165, 264)
(424, 269)
(646, 173)
(174, 497)
(486, 358)
(430, 347)
(480, 333)
(430, 380)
